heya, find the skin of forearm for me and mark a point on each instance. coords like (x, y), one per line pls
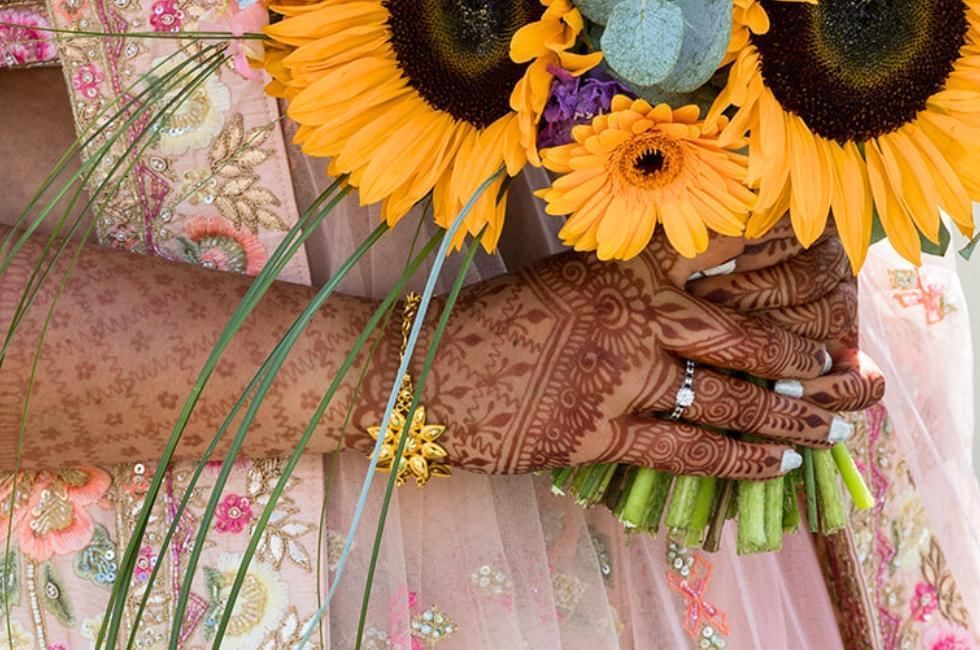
(127, 340)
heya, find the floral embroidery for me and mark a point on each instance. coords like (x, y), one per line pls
(165, 16)
(21, 42)
(54, 597)
(923, 601)
(87, 79)
(215, 243)
(947, 637)
(284, 531)
(19, 638)
(232, 159)
(257, 610)
(690, 576)
(234, 514)
(491, 580)
(900, 571)
(910, 290)
(97, 561)
(145, 562)
(568, 591)
(198, 118)
(430, 627)
(54, 519)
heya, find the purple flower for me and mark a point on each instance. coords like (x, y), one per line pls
(573, 101)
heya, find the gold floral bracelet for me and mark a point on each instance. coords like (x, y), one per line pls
(422, 457)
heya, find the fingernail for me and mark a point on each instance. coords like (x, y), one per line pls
(840, 430)
(789, 388)
(828, 362)
(721, 269)
(791, 460)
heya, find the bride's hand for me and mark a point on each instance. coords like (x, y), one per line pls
(567, 363)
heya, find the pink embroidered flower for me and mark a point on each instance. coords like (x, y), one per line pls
(947, 637)
(86, 80)
(215, 243)
(233, 514)
(20, 40)
(145, 562)
(924, 601)
(57, 646)
(243, 17)
(166, 16)
(50, 512)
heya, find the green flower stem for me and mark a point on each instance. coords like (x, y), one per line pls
(832, 516)
(774, 513)
(751, 517)
(560, 478)
(701, 513)
(644, 499)
(593, 489)
(682, 502)
(791, 503)
(810, 485)
(853, 481)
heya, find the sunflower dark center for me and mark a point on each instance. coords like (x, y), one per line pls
(456, 53)
(855, 69)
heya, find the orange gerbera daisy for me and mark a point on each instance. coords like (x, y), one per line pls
(415, 96)
(639, 165)
(857, 108)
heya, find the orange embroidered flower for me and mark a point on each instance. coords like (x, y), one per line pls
(49, 512)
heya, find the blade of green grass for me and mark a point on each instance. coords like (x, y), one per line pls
(389, 408)
(419, 387)
(261, 523)
(171, 531)
(333, 462)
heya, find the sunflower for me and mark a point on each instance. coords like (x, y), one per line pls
(409, 97)
(639, 165)
(748, 17)
(861, 107)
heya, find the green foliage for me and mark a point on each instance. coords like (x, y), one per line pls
(708, 28)
(643, 39)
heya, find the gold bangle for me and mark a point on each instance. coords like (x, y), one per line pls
(422, 457)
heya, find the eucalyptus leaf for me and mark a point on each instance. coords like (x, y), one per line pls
(643, 40)
(596, 10)
(708, 28)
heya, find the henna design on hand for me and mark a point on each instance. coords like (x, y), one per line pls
(802, 279)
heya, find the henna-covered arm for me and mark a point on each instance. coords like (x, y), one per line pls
(127, 340)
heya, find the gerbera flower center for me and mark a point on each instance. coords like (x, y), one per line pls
(456, 53)
(648, 160)
(856, 69)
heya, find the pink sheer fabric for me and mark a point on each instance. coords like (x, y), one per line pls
(914, 323)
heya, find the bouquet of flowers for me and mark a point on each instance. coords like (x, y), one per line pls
(691, 115)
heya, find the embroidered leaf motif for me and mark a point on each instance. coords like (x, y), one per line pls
(54, 596)
(936, 573)
(232, 159)
(97, 561)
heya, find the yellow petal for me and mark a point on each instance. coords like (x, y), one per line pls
(901, 232)
(850, 200)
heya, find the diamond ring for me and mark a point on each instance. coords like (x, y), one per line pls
(685, 394)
